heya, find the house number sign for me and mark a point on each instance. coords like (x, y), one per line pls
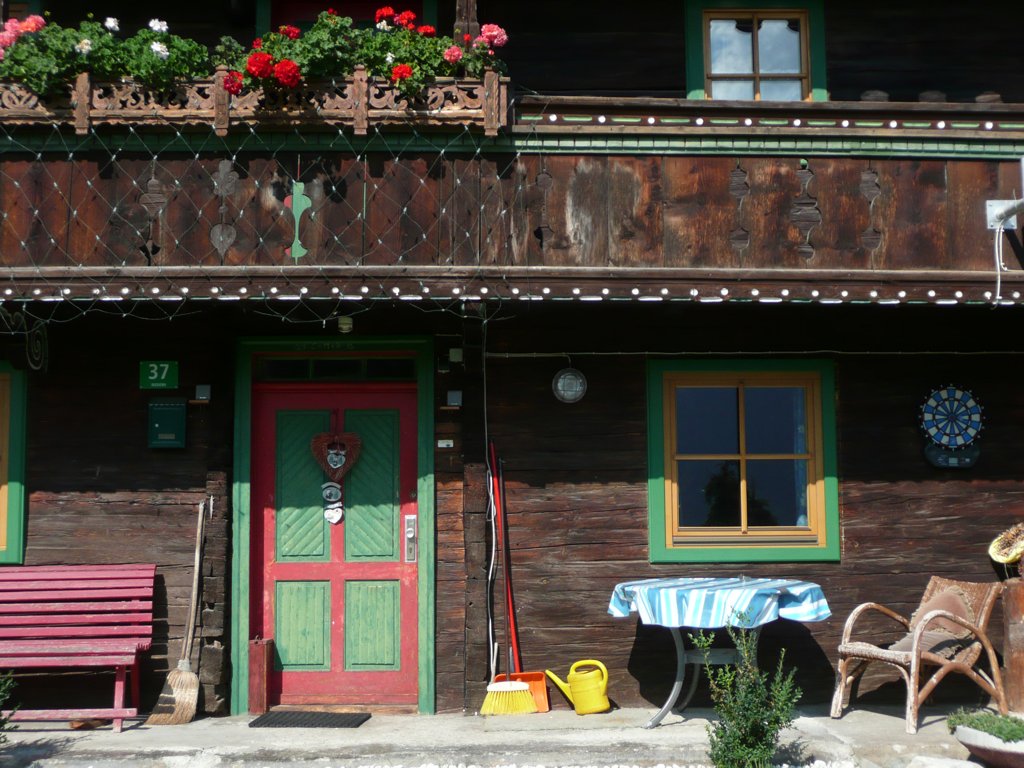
(158, 374)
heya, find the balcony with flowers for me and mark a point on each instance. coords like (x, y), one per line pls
(332, 74)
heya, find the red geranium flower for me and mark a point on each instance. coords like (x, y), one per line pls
(260, 64)
(467, 38)
(292, 33)
(405, 19)
(257, 43)
(233, 82)
(331, 12)
(426, 30)
(287, 73)
(400, 72)
(386, 12)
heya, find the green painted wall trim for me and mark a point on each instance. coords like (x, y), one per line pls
(422, 351)
(659, 552)
(694, 39)
(957, 148)
(262, 16)
(14, 552)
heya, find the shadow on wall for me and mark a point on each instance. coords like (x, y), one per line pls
(652, 661)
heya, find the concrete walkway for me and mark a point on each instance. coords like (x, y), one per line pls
(864, 738)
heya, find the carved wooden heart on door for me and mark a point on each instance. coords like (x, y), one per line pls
(336, 453)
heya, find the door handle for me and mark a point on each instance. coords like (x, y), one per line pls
(411, 539)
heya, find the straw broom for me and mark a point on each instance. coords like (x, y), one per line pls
(177, 702)
(507, 697)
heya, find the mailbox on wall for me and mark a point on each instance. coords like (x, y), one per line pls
(166, 422)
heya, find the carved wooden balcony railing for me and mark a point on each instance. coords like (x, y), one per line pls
(357, 102)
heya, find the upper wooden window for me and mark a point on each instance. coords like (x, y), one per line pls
(761, 51)
(12, 464)
(743, 468)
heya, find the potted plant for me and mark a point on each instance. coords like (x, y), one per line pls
(752, 708)
(334, 72)
(997, 740)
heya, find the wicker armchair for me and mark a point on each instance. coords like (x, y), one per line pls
(946, 633)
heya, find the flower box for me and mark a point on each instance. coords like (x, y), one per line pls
(355, 102)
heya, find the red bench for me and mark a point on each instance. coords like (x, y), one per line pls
(78, 617)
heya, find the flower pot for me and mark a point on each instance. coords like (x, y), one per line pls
(992, 751)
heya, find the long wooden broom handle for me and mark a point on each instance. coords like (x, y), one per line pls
(186, 652)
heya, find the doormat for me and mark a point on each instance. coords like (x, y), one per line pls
(300, 719)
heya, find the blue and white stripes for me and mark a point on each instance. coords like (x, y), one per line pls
(710, 603)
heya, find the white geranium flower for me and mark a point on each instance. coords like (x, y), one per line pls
(112, 24)
(84, 46)
(157, 25)
(383, 26)
(159, 50)
(390, 58)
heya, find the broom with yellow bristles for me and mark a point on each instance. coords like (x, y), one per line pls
(504, 697)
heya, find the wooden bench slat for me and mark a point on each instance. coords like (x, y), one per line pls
(67, 662)
(67, 645)
(76, 608)
(80, 619)
(94, 630)
(66, 583)
(66, 595)
(21, 571)
(70, 714)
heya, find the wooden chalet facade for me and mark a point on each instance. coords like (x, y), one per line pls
(194, 292)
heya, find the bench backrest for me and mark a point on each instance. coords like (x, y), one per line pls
(77, 602)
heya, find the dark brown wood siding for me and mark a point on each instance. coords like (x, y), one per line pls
(621, 212)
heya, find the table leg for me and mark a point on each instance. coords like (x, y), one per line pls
(697, 659)
(677, 686)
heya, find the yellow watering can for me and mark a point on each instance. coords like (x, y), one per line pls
(586, 689)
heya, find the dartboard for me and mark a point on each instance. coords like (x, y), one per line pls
(951, 417)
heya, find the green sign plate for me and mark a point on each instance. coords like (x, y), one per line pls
(158, 374)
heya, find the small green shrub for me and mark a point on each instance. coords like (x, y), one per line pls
(6, 686)
(1003, 727)
(752, 709)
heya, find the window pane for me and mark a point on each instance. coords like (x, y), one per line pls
(732, 90)
(775, 420)
(732, 48)
(778, 47)
(781, 90)
(709, 493)
(707, 420)
(777, 492)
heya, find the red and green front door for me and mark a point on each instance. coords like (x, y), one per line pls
(338, 598)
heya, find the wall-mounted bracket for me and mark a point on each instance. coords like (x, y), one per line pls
(1002, 213)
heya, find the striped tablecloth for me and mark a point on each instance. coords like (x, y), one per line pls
(709, 603)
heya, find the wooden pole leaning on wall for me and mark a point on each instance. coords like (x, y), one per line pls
(1013, 643)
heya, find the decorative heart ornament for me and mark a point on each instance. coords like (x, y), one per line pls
(336, 453)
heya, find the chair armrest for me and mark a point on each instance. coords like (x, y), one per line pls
(863, 608)
(929, 617)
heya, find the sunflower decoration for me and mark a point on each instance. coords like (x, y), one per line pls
(1008, 547)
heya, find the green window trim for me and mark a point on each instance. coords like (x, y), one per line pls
(657, 507)
(12, 551)
(694, 39)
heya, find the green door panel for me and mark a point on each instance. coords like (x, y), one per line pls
(302, 532)
(372, 625)
(371, 488)
(302, 625)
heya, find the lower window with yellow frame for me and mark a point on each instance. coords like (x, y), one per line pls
(742, 461)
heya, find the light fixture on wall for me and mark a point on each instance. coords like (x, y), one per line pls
(569, 385)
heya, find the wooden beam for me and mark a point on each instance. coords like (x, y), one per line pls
(466, 19)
